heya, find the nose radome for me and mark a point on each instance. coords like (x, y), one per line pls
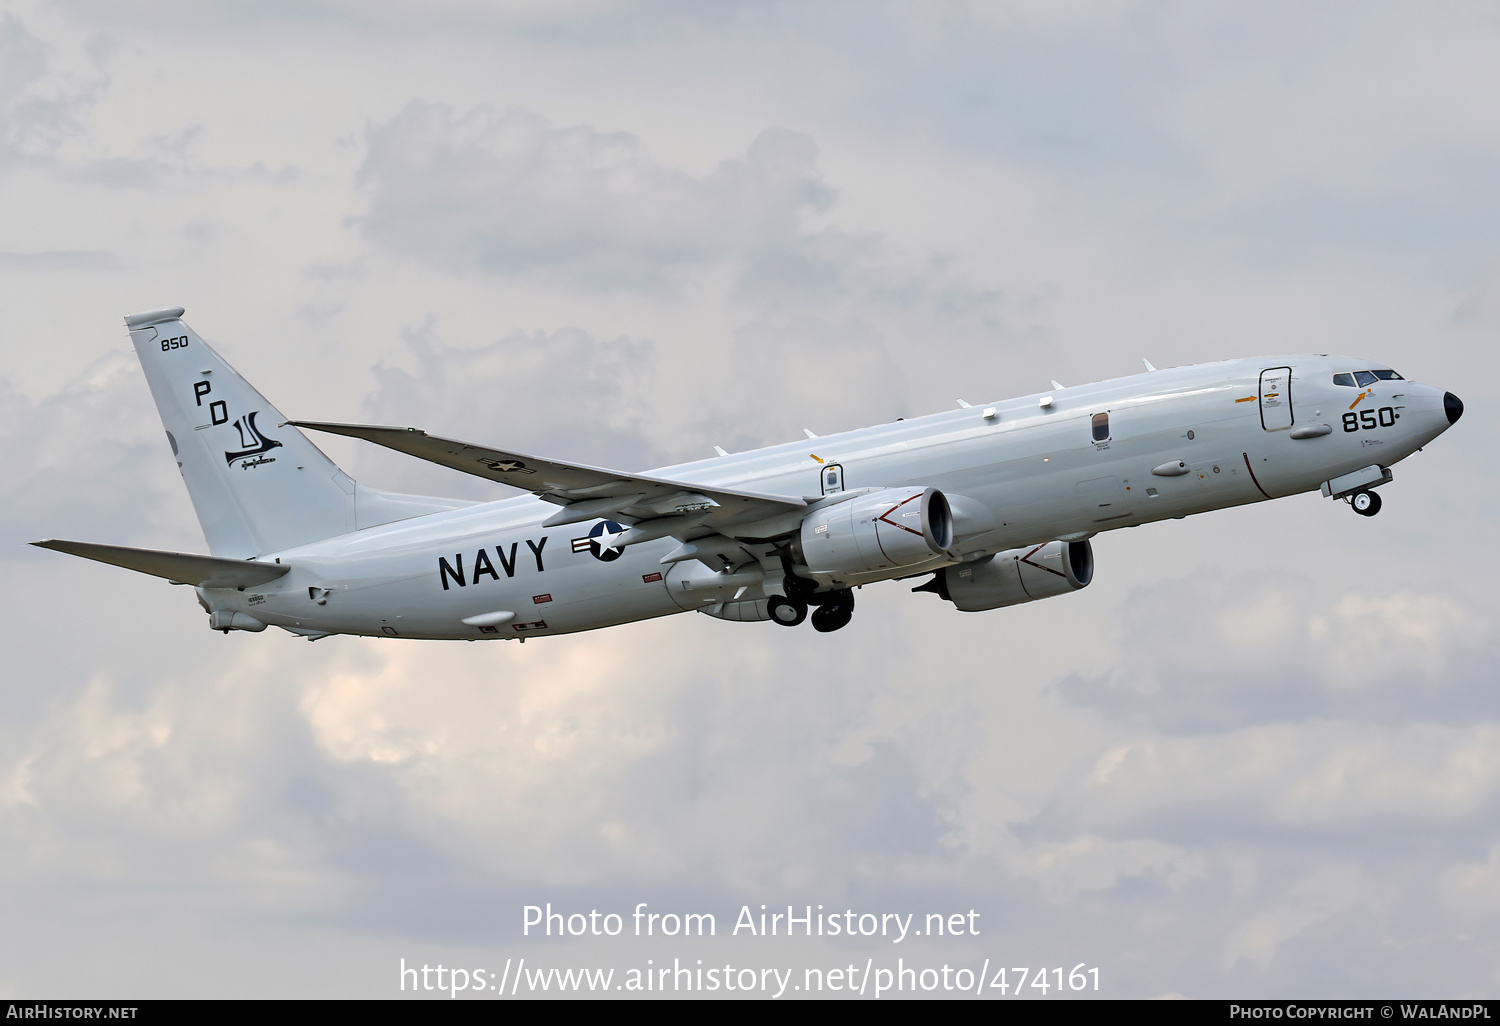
(1453, 406)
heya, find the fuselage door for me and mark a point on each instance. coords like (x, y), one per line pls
(1276, 398)
(833, 479)
(1102, 499)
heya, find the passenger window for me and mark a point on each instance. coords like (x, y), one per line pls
(1363, 378)
(1388, 375)
(1101, 427)
(1344, 379)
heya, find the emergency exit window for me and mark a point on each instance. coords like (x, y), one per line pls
(1101, 427)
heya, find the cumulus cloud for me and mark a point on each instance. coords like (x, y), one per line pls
(1313, 776)
(508, 191)
(44, 101)
(1217, 782)
(90, 461)
(638, 754)
(563, 394)
(28, 120)
(778, 316)
(652, 775)
(1473, 889)
(1311, 901)
(1261, 648)
(612, 754)
(428, 790)
(62, 260)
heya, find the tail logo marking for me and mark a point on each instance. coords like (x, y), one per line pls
(256, 444)
(218, 410)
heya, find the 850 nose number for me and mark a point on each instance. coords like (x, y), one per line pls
(1367, 420)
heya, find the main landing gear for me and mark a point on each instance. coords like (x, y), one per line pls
(834, 608)
(1365, 502)
(788, 612)
(835, 612)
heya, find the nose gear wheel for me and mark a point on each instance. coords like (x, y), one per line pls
(1366, 503)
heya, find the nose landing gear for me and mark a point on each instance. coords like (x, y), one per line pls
(1364, 502)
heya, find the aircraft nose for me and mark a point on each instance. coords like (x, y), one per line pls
(1453, 406)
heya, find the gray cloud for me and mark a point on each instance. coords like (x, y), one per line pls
(32, 121)
(405, 797)
(822, 311)
(89, 462)
(1232, 776)
(563, 394)
(1371, 655)
(46, 103)
(63, 260)
(507, 191)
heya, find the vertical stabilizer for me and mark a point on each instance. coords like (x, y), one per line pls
(257, 484)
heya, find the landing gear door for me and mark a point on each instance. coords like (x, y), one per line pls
(833, 479)
(1276, 398)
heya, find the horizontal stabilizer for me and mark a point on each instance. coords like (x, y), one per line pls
(181, 567)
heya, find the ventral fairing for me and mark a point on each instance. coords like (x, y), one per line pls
(993, 505)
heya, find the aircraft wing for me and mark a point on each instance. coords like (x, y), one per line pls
(180, 567)
(586, 493)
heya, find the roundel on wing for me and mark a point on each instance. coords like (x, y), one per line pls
(600, 535)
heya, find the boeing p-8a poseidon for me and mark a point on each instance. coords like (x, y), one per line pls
(996, 502)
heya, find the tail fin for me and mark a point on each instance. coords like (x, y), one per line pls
(257, 484)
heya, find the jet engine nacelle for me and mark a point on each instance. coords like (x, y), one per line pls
(1020, 575)
(884, 530)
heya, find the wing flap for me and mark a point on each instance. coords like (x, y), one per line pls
(180, 567)
(569, 484)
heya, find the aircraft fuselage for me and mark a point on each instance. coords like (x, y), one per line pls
(1019, 472)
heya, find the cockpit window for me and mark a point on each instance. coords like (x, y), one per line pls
(1363, 378)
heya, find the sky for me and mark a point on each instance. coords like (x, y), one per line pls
(1258, 756)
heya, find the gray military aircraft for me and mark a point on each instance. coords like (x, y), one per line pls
(996, 503)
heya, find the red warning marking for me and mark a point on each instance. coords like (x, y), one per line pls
(650, 578)
(1027, 560)
(539, 599)
(886, 516)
